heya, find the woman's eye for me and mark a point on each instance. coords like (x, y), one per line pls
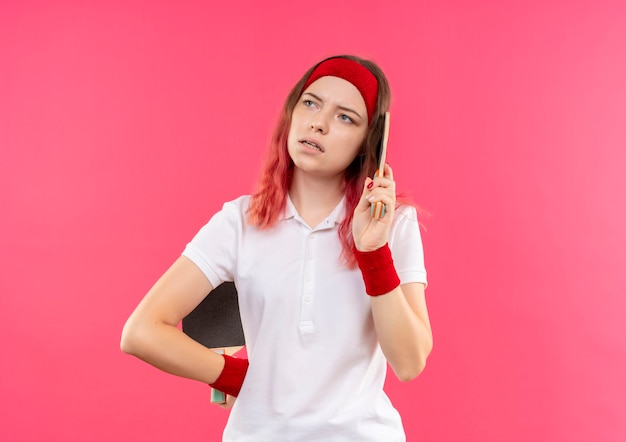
(308, 103)
(345, 118)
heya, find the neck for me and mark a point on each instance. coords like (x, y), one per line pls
(315, 197)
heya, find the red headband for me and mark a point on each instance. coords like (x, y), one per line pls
(351, 71)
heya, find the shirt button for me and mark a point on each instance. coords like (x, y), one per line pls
(312, 236)
(307, 298)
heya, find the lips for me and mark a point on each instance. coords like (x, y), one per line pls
(312, 144)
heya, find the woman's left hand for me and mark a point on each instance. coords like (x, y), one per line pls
(230, 401)
(370, 233)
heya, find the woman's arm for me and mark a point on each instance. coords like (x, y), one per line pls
(399, 311)
(151, 333)
(403, 329)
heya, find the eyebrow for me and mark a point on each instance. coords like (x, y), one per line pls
(343, 108)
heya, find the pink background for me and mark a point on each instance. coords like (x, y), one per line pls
(123, 127)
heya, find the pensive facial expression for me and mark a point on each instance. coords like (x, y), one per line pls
(328, 127)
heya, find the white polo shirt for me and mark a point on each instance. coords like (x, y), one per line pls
(316, 369)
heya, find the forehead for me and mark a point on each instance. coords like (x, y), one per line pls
(338, 90)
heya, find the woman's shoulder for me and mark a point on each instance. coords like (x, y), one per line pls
(239, 204)
(232, 211)
(406, 212)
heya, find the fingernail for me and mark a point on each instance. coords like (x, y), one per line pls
(370, 185)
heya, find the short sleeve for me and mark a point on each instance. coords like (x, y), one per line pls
(214, 248)
(405, 242)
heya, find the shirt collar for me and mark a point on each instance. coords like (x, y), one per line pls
(290, 209)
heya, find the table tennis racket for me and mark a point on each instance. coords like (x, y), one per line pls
(216, 324)
(378, 208)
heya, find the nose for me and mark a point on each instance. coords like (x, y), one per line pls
(319, 124)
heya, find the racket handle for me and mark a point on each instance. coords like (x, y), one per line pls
(378, 210)
(218, 397)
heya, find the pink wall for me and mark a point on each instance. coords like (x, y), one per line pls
(123, 128)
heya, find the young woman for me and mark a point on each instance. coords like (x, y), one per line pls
(327, 294)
